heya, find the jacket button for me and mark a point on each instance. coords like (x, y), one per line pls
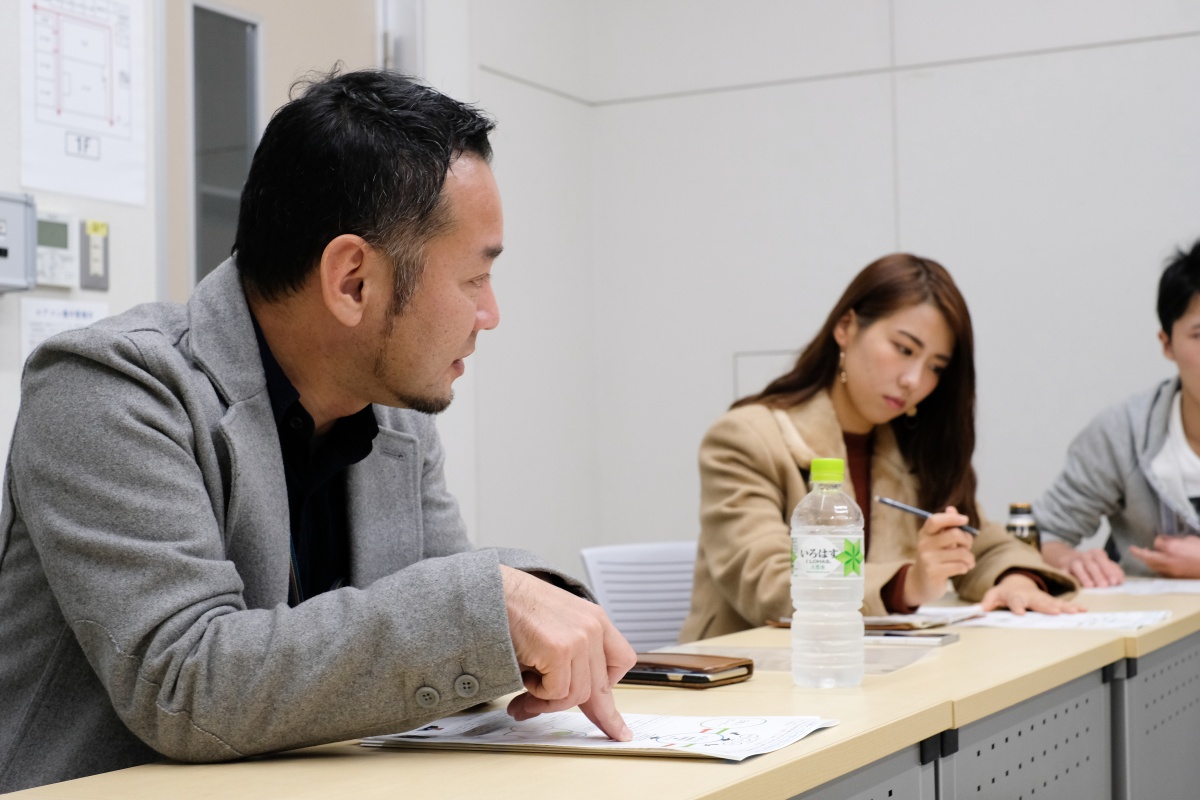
(427, 697)
(466, 686)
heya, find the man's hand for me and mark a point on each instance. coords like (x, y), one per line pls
(943, 551)
(1172, 556)
(569, 652)
(1092, 567)
(1020, 593)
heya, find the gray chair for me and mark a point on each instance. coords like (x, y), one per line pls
(646, 589)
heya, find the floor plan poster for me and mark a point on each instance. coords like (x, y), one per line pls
(83, 98)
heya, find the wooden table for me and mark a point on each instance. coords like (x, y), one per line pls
(925, 726)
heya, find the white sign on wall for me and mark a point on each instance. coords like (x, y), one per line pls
(41, 319)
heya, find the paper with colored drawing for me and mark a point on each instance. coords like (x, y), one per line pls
(730, 738)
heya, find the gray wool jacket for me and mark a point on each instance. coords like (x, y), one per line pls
(1108, 474)
(145, 552)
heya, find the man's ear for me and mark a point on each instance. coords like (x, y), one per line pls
(346, 279)
(1166, 345)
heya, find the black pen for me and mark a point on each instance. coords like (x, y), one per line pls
(920, 512)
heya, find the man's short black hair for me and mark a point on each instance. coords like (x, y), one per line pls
(1180, 282)
(363, 152)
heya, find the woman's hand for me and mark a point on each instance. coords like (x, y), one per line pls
(1020, 593)
(943, 551)
(1172, 556)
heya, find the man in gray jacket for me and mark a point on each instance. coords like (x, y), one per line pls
(1138, 464)
(225, 526)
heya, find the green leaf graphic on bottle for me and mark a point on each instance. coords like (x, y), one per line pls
(851, 557)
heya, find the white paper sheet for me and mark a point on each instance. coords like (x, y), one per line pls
(950, 614)
(730, 738)
(83, 98)
(1151, 586)
(1089, 620)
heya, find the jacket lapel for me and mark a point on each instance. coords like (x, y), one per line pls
(257, 524)
(393, 471)
(822, 436)
(222, 336)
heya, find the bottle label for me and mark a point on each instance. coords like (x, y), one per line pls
(827, 557)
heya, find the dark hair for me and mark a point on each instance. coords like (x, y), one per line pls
(1180, 282)
(939, 442)
(364, 153)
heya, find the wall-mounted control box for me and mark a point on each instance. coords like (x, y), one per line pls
(18, 242)
(57, 250)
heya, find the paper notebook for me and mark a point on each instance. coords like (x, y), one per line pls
(925, 617)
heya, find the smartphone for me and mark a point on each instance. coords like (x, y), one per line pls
(677, 675)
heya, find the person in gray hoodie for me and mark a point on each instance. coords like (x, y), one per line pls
(1138, 463)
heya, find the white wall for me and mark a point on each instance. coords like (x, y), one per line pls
(536, 387)
(747, 159)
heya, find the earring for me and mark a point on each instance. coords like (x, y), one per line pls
(912, 412)
(842, 366)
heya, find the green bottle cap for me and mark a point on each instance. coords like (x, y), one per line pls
(827, 470)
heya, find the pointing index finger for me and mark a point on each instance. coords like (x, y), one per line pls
(601, 709)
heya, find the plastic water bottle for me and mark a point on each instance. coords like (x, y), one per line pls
(827, 582)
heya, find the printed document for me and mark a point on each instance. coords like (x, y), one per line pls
(730, 738)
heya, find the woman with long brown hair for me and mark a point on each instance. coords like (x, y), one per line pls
(888, 384)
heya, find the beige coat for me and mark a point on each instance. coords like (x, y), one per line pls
(750, 481)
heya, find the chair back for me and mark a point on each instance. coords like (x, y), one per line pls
(646, 589)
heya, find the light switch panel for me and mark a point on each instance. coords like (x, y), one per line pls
(93, 255)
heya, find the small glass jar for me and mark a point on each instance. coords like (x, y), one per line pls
(1022, 527)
